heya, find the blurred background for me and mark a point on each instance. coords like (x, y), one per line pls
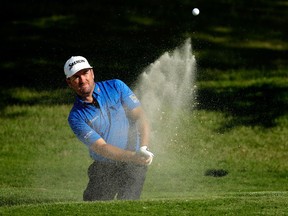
(232, 40)
(122, 37)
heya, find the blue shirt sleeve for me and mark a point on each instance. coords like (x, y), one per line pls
(82, 130)
(129, 99)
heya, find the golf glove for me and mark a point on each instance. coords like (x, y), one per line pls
(146, 153)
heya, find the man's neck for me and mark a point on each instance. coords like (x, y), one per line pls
(88, 99)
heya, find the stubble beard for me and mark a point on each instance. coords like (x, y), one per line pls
(86, 90)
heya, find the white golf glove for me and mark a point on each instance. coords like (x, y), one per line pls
(146, 153)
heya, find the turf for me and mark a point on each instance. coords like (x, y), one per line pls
(266, 203)
(43, 166)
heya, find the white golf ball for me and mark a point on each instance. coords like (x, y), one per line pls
(195, 11)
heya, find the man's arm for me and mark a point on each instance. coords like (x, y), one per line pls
(138, 115)
(117, 154)
(114, 153)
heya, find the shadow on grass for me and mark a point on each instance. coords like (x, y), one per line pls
(31, 97)
(121, 38)
(257, 105)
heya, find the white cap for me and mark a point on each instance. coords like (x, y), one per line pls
(75, 64)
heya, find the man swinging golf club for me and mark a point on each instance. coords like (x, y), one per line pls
(108, 118)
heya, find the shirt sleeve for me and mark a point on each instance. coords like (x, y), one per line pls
(82, 130)
(128, 98)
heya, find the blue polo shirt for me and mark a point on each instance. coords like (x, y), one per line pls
(108, 119)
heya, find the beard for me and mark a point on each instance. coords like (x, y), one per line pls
(85, 89)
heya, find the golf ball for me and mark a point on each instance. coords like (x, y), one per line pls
(195, 11)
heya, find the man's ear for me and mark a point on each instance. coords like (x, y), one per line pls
(92, 71)
(68, 81)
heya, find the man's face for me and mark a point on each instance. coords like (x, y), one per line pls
(82, 82)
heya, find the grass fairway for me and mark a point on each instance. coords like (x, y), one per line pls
(266, 203)
(43, 166)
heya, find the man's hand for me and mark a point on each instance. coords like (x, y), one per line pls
(146, 153)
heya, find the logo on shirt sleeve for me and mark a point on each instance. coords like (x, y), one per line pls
(87, 135)
(134, 98)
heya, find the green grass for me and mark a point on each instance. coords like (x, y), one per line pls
(37, 144)
(273, 203)
(43, 166)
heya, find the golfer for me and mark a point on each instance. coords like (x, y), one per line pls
(108, 119)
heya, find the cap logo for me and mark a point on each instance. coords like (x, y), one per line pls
(71, 65)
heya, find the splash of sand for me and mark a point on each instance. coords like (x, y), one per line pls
(167, 86)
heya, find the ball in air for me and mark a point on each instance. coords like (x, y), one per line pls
(195, 11)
